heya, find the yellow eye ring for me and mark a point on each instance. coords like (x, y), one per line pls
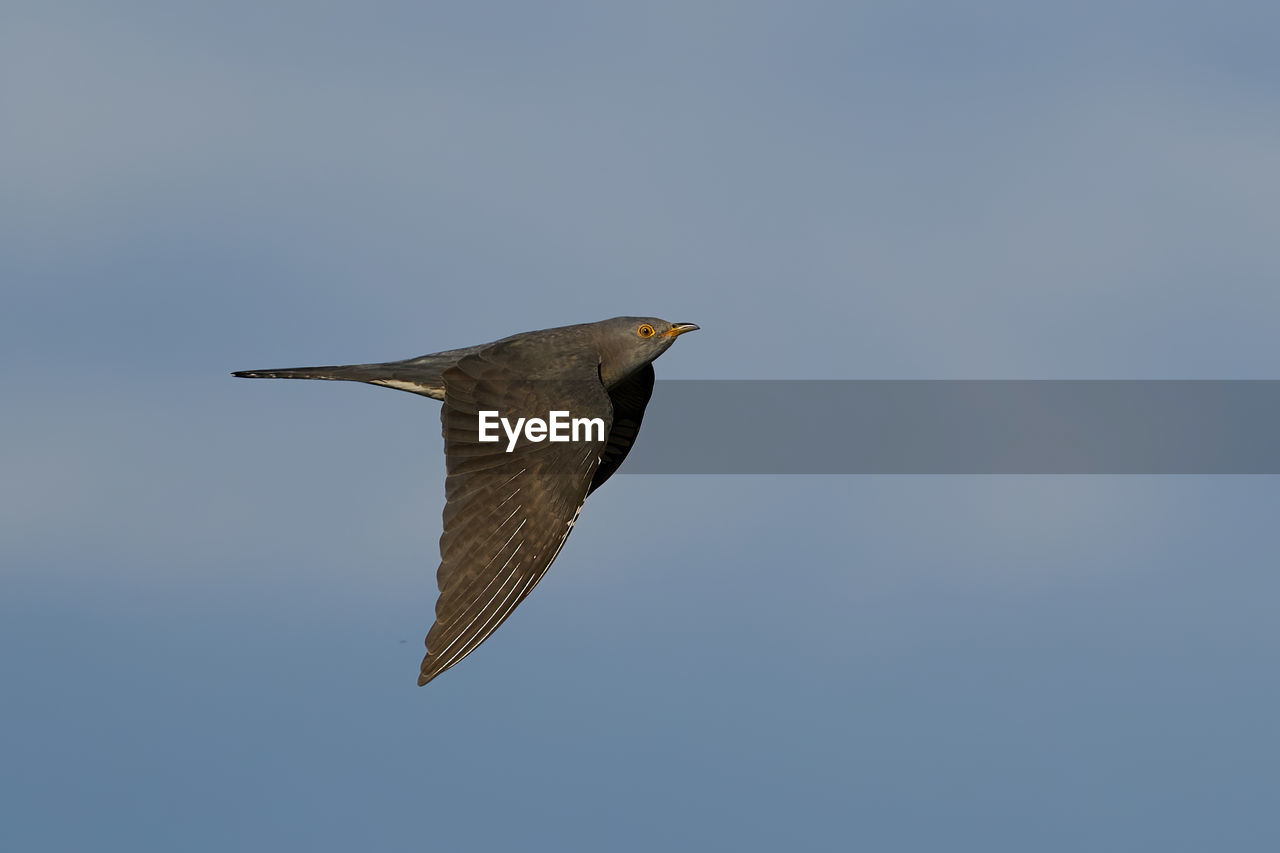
(646, 331)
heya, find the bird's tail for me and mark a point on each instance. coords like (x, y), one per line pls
(418, 376)
(349, 372)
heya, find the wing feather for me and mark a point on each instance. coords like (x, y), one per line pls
(507, 514)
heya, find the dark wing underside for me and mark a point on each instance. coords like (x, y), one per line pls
(506, 514)
(629, 397)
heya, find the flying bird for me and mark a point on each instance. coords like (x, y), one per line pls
(513, 494)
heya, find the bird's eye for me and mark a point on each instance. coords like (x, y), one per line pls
(646, 331)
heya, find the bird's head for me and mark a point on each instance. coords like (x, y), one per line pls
(629, 343)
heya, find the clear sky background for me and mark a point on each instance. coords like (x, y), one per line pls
(214, 591)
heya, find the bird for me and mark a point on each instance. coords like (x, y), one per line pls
(511, 503)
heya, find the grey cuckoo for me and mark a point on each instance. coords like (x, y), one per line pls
(512, 495)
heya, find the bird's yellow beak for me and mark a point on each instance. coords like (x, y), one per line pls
(678, 329)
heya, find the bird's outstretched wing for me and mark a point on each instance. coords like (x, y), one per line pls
(507, 514)
(629, 398)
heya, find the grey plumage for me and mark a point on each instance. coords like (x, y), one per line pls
(508, 514)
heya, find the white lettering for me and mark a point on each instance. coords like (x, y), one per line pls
(512, 434)
(488, 421)
(559, 426)
(587, 424)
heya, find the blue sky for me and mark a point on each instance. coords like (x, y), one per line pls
(215, 591)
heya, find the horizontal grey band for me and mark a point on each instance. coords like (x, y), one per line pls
(961, 427)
